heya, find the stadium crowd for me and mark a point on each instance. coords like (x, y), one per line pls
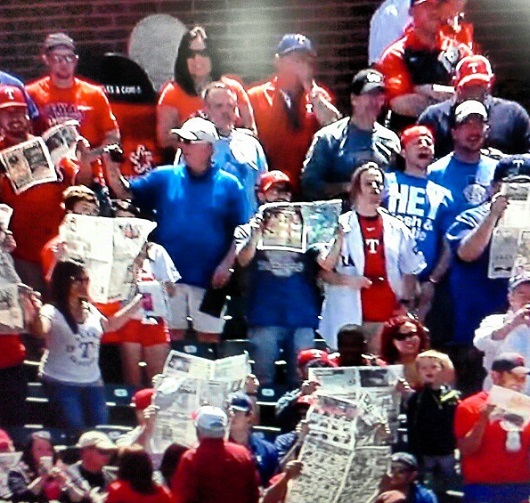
(417, 161)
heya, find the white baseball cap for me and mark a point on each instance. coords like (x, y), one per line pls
(96, 439)
(211, 422)
(197, 129)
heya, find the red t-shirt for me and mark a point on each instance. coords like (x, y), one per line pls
(392, 64)
(216, 471)
(37, 212)
(121, 491)
(83, 102)
(378, 301)
(284, 145)
(492, 463)
(12, 351)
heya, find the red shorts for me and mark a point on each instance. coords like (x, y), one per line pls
(143, 333)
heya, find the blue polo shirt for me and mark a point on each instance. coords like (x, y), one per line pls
(196, 216)
(423, 206)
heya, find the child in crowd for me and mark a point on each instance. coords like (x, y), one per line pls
(430, 417)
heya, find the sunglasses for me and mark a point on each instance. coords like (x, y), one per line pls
(404, 336)
(63, 58)
(185, 141)
(198, 52)
(84, 281)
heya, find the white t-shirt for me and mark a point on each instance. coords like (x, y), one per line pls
(72, 358)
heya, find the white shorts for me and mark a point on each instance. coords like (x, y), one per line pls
(185, 304)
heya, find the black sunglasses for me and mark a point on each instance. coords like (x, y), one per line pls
(403, 336)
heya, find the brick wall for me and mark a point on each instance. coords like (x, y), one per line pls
(248, 30)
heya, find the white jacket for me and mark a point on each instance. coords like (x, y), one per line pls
(342, 304)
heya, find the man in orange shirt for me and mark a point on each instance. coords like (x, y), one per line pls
(291, 107)
(419, 65)
(60, 96)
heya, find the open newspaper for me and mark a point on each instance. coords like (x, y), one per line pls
(28, 164)
(510, 406)
(298, 226)
(61, 140)
(336, 468)
(510, 242)
(108, 248)
(8, 461)
(189, 382)
(373, 387)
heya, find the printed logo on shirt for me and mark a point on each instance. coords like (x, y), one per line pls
(280, 264)
(57, 113)
(475, 194)
(85, 352)
(371, 245)
(415, 207)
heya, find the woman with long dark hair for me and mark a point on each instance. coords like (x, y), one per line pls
(72, 328)
(403, 339)
(39, 476)
(181, 98)
(135, 479)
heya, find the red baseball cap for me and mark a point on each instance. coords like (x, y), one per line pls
(142, 398)
(308, 355)
(5, 440)
(11, 96)
(473, 70)
(271, 178)
(413, 132)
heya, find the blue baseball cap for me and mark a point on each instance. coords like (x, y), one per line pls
(292, 42)
(512, 165)
(240, 401)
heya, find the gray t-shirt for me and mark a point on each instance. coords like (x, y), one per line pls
(72, 357)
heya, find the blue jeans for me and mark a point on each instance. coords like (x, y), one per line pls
(76, 408)
(496, 493)
(265, 345)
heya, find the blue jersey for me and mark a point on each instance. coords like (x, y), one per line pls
(423, 206)
(475, 296)
(196, 216)
(468, 182)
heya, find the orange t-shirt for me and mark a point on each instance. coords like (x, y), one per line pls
(284, 145)
(83, 102)
(398, 79)
(37, 212)
(172, 95)
(378, 301)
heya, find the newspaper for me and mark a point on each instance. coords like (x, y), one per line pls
(107, 247)
(61, 140)
(12, 292)
(510, 242)
(6, 212)
(28, 164)
(373, 387)
(189, 382)
(154, 299)
(7, 461)
(511, 406)
(336, 468)
(298, 226)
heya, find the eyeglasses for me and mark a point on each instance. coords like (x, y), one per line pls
(198, 52)
(404, 336)
(63, 58)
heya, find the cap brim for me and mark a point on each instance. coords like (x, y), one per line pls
(464, 118)
(13, 105)
(521, 370)
(373, 86)
(297, 49)
(239, 408)
(474, 79)
(181, 133)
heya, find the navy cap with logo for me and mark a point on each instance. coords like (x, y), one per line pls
(511, 166)
(292, 42)
(366, 81)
